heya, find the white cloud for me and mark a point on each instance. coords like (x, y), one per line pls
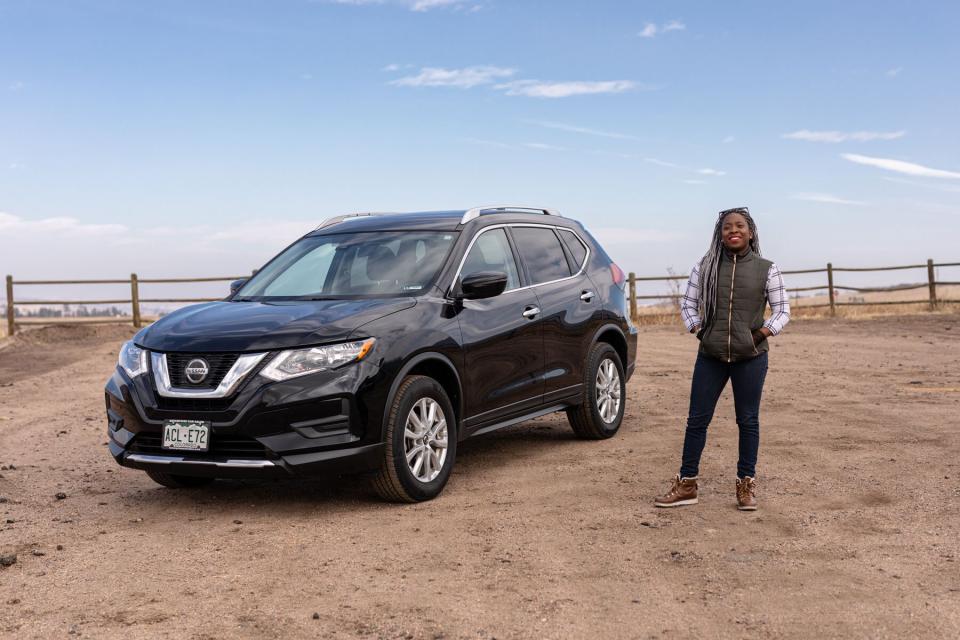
(391, 67)
(15, 86)
(465, 78)
(901, 166)
(843, 136)
(415, 5)
(538, 89)
(672, 165)
(585, 130)
(542, 146)
(496, 144)
(695, 181)
(15, 225)
(728, 140)
(894, 72)
(662, 163)
(651, 29)
(825, 198)
(426, 5)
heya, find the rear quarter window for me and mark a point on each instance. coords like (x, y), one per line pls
(575, 246)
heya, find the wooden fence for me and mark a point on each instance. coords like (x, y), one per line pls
(831, 287)
(134, 301)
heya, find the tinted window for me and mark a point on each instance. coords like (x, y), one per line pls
(542, 254)
(577, 250)
(491, 252)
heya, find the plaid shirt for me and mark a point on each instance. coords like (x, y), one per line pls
(776, 296)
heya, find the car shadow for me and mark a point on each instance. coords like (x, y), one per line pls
(512, 445)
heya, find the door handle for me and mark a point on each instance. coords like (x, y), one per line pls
(531, 312)
(586, 296)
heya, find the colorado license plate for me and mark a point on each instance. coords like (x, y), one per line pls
(186, 435)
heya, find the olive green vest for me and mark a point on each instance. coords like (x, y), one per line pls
(741, 301)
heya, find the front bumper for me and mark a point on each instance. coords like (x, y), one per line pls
(328, 422)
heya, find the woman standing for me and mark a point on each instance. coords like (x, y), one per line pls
(724, 305)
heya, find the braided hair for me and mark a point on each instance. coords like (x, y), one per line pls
(710, 263)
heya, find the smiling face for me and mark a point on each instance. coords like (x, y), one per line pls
(735, 233)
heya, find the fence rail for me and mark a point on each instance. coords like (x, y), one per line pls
(830, 287)
(137, 319)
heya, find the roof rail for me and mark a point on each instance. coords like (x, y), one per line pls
(336, 219)
(476, 212)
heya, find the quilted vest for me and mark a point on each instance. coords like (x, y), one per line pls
(741, 300)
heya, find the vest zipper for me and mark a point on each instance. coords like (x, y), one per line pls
(733, 277)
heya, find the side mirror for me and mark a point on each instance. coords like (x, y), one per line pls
(483, 284)
(236, 284)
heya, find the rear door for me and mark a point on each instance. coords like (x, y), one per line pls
(553, 260)
(502, 338)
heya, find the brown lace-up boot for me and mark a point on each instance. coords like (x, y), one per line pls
(682, 491)
(746, 494)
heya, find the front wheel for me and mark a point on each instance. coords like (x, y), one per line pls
(600, 412)
(420, 443)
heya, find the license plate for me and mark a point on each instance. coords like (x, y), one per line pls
(186, 435)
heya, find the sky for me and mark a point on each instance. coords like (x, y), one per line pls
(186, 138)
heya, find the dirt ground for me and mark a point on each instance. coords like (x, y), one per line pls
(537, 535)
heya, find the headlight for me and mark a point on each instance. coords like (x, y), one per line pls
(290, 364)
(132, 359)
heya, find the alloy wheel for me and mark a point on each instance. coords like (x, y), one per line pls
(425, 439)
(608, 391)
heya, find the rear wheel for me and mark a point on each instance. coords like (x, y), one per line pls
(420, 444)
(604, 390)
(175, 481)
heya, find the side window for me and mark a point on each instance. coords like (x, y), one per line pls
(491, 252)
(541, 252)
(577, 250)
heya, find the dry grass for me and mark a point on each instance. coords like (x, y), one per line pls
(885, 303)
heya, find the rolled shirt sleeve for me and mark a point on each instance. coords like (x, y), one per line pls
(779, 301)
(690, 300)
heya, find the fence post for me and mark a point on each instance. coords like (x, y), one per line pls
(135, 299)
(933, 284)
(11, 325)
(833, 298)
(632, 279)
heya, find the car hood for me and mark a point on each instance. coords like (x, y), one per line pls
(264, 326)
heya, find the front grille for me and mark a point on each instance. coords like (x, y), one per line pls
(201, 405)
(219, 365)
(221, 446)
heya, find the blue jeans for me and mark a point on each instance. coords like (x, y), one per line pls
(709, 378)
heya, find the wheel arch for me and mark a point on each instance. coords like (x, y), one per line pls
(438, 367)
(613, 335)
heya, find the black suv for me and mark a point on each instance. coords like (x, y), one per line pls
(376, 343)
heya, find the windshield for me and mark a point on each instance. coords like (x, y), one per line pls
(352, 265)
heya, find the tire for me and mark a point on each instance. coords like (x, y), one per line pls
(174, 481)
(587, 419)
(400, 481)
